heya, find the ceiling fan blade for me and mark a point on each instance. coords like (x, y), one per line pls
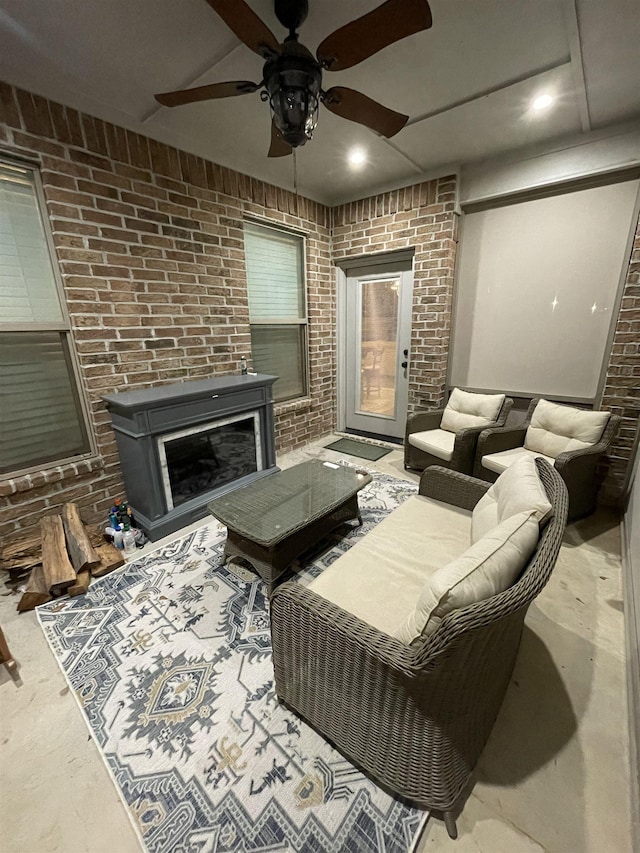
(278, 147)
(392, 21)
(205, 93)
(355, 106)
(249, 28)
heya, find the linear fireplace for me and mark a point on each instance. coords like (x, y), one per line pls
(182, 445)
(201, 458)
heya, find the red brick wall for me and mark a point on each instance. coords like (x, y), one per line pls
(622, 387)
(149, 244)
(421, 217)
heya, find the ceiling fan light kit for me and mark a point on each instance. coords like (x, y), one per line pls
(293, 82)
(292, 76)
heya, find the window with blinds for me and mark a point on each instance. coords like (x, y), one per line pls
(41, 416)
(277, 307)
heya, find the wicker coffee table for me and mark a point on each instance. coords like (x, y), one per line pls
(272, 521)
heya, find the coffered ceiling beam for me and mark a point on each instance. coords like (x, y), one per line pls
(477, 96)
(577, 65)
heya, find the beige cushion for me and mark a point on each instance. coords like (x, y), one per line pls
(499, 462)
(518, 489)
(465, 409)
(488, 567)
(555, 428)
(380, 577)
(435, 441)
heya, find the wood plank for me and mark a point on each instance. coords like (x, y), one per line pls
(96, 534)
(58, 572)
(27, 543)
(21, 553)
(110, 558)
(82, 553)
(5, 655)
(36, 591)
(82, 583)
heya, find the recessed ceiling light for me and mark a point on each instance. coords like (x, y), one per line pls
(357, 157)
(542, 102)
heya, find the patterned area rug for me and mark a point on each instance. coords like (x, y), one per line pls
(170, 660)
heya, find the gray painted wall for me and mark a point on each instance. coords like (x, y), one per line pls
(631, 567)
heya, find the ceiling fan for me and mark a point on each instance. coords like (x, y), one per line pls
(292, 76)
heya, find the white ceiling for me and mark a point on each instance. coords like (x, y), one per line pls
(467, 83)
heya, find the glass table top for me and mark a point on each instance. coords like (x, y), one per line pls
(275, 506)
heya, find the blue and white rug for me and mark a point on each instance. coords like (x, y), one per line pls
(170, 660)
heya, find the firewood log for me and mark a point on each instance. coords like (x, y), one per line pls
(20, 572)
(82, 554)
(82, 583)
(36, 591)
(21, 553)
(58, 571)
(110, 558)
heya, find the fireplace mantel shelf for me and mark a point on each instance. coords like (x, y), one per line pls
(144, 398)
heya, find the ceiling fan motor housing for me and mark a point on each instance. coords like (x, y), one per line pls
(293, 80)
(291, 13)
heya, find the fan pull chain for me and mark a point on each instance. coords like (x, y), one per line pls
(295, 180)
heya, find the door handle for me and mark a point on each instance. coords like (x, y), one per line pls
(403, 364)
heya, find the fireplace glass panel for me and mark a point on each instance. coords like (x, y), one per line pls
(198, 460)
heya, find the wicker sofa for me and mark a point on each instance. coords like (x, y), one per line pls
(413, 714)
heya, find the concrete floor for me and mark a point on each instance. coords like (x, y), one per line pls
(553, 777)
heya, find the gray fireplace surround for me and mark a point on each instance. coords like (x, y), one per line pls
(146, 423)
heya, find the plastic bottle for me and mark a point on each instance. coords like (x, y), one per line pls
(128, 542)
(117, 536)
(243, 366)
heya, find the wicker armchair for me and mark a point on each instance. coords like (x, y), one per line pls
(464, 447)
(415, 717)
(578, 468)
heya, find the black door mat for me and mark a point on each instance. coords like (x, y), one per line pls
(358, 448)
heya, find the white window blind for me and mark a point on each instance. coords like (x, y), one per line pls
(39, 413)
(277, 350)
(274, 270)
(41, 418)
(277, 307)
(27, 284)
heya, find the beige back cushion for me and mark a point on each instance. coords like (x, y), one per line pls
(555, 428)
(488, 567)
(465, 409)
(517, 489)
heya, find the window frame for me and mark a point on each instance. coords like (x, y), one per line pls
(303, 323)
(63, 328)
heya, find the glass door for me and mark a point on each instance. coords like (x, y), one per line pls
(378, 324)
